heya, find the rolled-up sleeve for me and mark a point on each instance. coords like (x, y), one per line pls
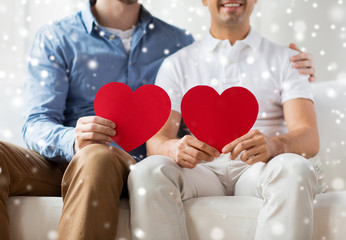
(46, 86)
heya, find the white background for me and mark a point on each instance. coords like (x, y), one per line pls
(317, 26)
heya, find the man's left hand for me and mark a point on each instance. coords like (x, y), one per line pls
(256, 146)
(304, 62)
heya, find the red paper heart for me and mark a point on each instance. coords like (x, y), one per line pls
(219, 119)
(138, 115)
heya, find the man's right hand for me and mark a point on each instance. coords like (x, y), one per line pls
(93, 129)
(190, 151)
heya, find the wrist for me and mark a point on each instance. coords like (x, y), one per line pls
(172, 148)
(280, 146)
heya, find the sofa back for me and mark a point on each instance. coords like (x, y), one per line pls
(330, 105)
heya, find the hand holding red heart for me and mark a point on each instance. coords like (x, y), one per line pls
(138, 115)
(189, 152)
(93, 129)
(216, 120)
(219, 119)
(257, 147)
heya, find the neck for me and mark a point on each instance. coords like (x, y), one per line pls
(115, 14)
(232, 33)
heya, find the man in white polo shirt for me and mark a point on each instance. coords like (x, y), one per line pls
(270, 162)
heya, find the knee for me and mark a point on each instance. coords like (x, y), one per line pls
(293, 166)
(150, 170)
(99, 158)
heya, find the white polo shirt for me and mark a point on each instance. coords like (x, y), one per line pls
(255, 63)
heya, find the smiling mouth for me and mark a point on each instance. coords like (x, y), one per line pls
(231, 5)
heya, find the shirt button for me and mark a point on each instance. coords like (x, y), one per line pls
(130, 63)
(111, 37)
(230, 61)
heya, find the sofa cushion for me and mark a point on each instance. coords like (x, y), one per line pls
(38, 217)
(222, 217)
(207, 217)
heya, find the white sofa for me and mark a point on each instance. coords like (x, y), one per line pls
(216, 218)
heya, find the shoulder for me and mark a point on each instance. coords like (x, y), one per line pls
(184, 55)
(171, 31)
(62, 26)
(277, 50)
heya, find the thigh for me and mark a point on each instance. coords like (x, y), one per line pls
(99, 163)
(160, 172)
(29, 173)
(203, 181)
(247, 183)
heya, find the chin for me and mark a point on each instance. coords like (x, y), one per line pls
(232, 19)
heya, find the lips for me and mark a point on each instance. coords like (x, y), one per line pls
(231, 4)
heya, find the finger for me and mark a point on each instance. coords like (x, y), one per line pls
(194, 142)
(261, 157)
(294, 47)
(189, 165)
(196, 155)
(97, 128)
(192, 160)
(242, 146)
(307, 71)
(81, 144)
(185, 164)
(303, 64)
(182, 154)
(99, 120)
(301, 57)
(92, 136)
(312, 79)
(249, 154)
(230, 147)
(255, 159)
(101, 142)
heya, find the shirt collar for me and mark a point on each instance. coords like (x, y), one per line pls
(90, 21)
(144, 15)
(253, 39)
(87, 17)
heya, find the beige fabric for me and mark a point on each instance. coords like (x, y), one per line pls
(287, 184)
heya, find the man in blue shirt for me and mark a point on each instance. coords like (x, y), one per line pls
(69, 61)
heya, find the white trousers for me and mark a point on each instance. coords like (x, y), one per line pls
(287, 184)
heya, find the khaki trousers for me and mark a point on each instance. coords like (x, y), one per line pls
(91, 186)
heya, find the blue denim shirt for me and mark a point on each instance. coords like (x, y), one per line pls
(71, 59)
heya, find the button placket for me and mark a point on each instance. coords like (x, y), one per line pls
(231, 71)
